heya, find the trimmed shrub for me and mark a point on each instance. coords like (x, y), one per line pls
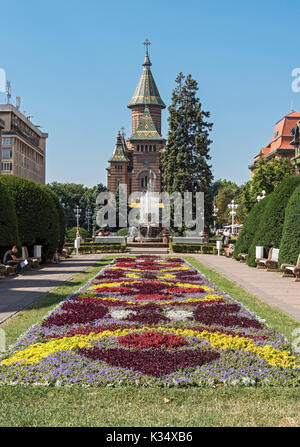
(71, 233)
(290, 241)
(250, 227)
(9, 234)
(36, 214)
(122, 232)
(270, 227)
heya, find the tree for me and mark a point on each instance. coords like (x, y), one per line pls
(267, 176)
(185, 158)
(72, 194)
(290, 241)
(269, 231)
(36, 212)
(9, 234)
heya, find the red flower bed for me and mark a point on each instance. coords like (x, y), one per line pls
(156, 362)
(151, 340)
(108, 303)
(148, 317)
(76, 312)
(155, 297)
(218, 314)
(185, 290)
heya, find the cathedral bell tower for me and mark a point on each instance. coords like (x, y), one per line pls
(136, 162)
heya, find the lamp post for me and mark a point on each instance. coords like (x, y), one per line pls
(77, 212)
(262, 196)
(232, 206)
(88, 215)
(215, 213)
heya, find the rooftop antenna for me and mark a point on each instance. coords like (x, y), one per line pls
(8, 91)
(18, 102)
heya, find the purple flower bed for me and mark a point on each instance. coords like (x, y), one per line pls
(149, 321)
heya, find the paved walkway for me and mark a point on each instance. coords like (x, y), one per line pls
(280, 292)
(16, 293)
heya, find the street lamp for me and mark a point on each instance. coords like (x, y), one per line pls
(77, 212)
(233, 206)
(88, 215)
(262, 196)
(215, 213)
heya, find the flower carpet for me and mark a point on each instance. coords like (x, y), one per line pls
(147, 321)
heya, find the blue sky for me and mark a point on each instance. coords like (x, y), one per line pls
(76, 64)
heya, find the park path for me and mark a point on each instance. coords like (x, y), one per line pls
(16, 293)
(270, 287)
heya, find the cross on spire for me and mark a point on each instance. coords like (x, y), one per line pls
(147, 43)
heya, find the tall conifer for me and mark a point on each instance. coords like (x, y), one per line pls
(185, 159)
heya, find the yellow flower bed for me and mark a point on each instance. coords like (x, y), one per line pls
(36, 352)
(208, 297)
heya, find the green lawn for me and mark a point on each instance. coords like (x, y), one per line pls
(217, 407)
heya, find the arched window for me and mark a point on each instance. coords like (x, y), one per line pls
(154, 147)
(142, 148)
(150, 148)
(138, 147)
(144, 182)
(146, 147)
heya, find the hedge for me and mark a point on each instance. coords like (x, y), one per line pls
(36, 214)
(195, 248)
(9, 234)
(290, 241)
(249, 228)
(99, 248)
(269, 231)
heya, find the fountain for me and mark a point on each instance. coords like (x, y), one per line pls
(149, 227)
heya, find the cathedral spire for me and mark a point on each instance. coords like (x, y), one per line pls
(147, 62)
(119, 153)
(146, 92)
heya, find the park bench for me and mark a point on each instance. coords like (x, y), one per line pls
(271, 262)
(32, 262)
(243, 257)
(7, 270)
(291, 270)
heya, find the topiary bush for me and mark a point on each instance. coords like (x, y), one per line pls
(290, 241)
(71, 233)
(122, 232)
(36, 214)
(270, 227)
(250, 227)
(9, 234)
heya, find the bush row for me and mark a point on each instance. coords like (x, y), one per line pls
(30, 214)
(99, 248)
(195, 248)
(274, 222)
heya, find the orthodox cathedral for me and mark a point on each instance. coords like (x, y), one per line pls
(136, 160)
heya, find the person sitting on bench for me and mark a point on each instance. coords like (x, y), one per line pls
(229, 250)
(11, 259)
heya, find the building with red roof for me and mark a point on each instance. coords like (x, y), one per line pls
(280, 146)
